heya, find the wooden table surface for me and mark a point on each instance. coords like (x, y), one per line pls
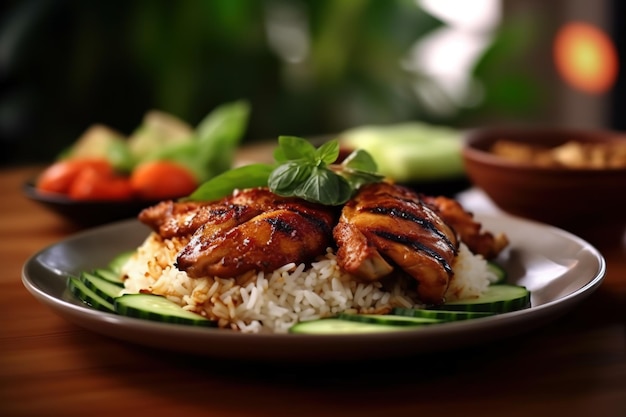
(574, 366)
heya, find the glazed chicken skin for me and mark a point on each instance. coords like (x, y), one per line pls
(175, 219)
(264, 243)
(251, 230)
(469, 230)
(178, 219)
(387, 225)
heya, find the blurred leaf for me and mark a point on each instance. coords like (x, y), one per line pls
(219, 134)
(108, 62)
(514, 94)
(510, 87)
(211, 148)
(510, 43)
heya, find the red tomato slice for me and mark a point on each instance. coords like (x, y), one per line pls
(160, 180)
(58, 177)
(92, 185)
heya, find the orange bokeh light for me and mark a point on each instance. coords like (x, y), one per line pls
(585, 57)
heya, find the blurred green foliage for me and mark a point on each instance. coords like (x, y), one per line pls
(66, 64)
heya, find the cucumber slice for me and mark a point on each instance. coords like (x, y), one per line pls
(410, 151)
(498, 272)
(158, 308)
(389, 320)
(110, 276)
(87, 296)
(104, 288)
(443, 315)
(116, 263)
(339, 326)
(501, 298)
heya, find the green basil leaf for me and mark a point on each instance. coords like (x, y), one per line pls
(360, 160)
(287, 177)
(247, 176)
(302, 171)
(292, 148)
(325, 187)
(357, 179)
(328, 152)
(279, 155)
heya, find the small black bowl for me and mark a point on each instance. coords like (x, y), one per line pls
(446, 187)
(86, 213)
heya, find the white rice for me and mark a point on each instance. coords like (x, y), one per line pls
(273, 302)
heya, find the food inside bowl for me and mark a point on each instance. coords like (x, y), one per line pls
(572, 154)
(276, 259)
(163, 158)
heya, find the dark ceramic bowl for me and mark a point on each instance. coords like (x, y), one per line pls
(588, 202)
(86, 213)
(447, 187)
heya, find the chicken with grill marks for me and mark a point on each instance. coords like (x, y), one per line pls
(383, 228)
(387, 225)
(469, 230)
(253, 229)
(178, 219)
(182, 219)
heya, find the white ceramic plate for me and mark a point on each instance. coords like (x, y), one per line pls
(558, 268)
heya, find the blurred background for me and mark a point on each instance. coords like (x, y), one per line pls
(307, 67)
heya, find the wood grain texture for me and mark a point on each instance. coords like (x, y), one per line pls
(575, 366)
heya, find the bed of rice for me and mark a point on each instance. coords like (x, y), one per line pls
(273, 302)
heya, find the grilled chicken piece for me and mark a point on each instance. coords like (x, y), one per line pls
(264, 243)
(389, 222)
(280, 231)
(358, 255)
(479, 242)
(171, 219)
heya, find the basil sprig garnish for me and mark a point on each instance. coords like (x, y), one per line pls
(300, 170)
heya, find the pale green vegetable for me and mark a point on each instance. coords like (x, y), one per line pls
(100, 141)
(158, 130)
(411, 151)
